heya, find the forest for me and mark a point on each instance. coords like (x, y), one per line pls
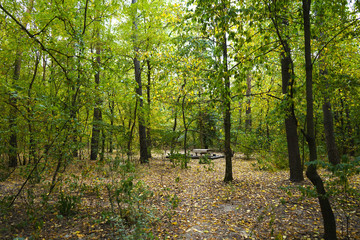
(197, 119)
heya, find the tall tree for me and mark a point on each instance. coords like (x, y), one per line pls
(248, 121)
(13, 142)
(288, 81)
(216, 17)
(227, 105)
(288, 78)
(311, 172)
(331, 146)
(141, 118)
(148, 95)
(97, 118)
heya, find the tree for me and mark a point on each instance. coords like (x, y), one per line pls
(331, 146)
(97, 111)
(248, 121)
(288, 81)
(141, 122)
(216, 27)
(311, 172)
(13, 142)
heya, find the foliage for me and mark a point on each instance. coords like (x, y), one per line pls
(179, 159)
(129, 216)
(67, 204)
(209, 165)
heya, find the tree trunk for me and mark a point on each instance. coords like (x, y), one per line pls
(103, 138)
(173, 137)
(350, 140)
(248, 120)
(12, 119)
(311, 172)
(141, 121)
(332, 150)
(148, 91)
(287, 73)
(95, 133)
(227, 116)
(111, 107)
(185, 127)
(131, 127)
(97, 118)
(13, 148)
(142, 128)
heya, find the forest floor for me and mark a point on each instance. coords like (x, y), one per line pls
(192, 203)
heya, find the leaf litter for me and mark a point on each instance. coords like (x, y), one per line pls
(194, 203)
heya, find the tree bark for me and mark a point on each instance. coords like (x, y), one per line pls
(287, 73)
(227, 115)
(97, 118)
(111, 107)
(248, 120)
(13, 148)
(288, 79)
(12, 118)
(142, 128)
(148, 91)
(144, 158)
(311, 172)
(185, 127)
(332, 150)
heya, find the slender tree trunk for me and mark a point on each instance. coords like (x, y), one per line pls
(13, 152)
(227, 116)
(95, 138)
(144, 158)
(97, 118)
(13, 148)
(141, 121)
(267, 124)
(201, 127)
(185, 127)
(148, 91)
(311, 172)
(287, 73)
(349, 127)
(131, 127)
(111, 107)
(172, 143)
(248, 120)
(332, 150)
(30, 118)
(103, 139)
(240, 115)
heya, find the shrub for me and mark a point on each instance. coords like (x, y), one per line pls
(67, 204)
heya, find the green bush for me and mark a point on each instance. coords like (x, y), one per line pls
(179, 159)
(67, 204)
(130, 215)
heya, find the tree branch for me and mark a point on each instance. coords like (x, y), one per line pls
(328, 42)
(32, 36)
